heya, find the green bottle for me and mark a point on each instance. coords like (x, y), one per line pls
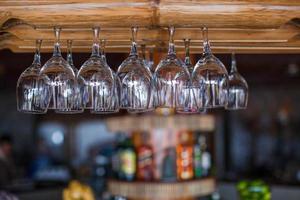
(127, 157)
(197, 159)
(205, 157)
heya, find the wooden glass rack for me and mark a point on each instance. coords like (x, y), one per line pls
(243, 26)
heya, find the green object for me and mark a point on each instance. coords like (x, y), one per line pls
(253, 190)
(197, 161)
(127, 160)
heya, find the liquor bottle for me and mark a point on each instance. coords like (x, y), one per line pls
(184, 152)
(145, 162)
(198, 158)
(115, 158)
(206, 157)
(127, 157)
(169, 172)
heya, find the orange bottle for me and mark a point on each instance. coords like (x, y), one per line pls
(184, 151)
(145, 163)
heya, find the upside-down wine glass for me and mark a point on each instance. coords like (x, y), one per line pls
(191, 106)
(62, 80)
(115, 100)
(99, 81)
(237, 89)
(149, 64)
(78, 104)
(136, 81)
(33, 91)
(209, 79)
(171, 77)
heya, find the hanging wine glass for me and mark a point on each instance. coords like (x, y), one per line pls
(79, 90)
(209, 79)
(149, 64)
(99, 81)
(33, 90)
(115, 99)
(191, 106)
(136, 81)
(62, 80)
(171, 77)
(237, 89)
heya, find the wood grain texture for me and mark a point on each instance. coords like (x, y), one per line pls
(245, 26)
(156, 190)
(103, 13)
(205, 123)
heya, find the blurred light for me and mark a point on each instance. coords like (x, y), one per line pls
(165, 111)
(293, 69)
(298, 175)
(57, 137)
(2, 70)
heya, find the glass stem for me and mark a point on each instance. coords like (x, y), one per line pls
(206, 45)
(37, 55)
(151, 55)
(143, 46)
(233, 63)
(133, 51)
(171, 50)
(69, 53)
(187, 59)
(57, 51)
(95, 48)
(103, 43)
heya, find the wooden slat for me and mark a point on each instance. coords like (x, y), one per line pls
(146, 123)
(239, 14)
(17, 45)
(26, 32)
(105, 13)
(157, 190)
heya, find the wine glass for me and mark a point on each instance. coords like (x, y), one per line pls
(191, 106)
(209, 79)
(237, 89)
(171, 77)
(115, 99)
(136, 81)
(115, 104)
(78, 104)
(62, 80)
(33, 90)
(99, 81)
(149, 64)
